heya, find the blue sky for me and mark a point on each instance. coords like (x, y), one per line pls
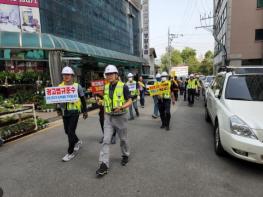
(182, 16)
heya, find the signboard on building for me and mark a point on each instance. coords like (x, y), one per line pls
(179, 71)
(65, 94)
(19, 15)
(145, 10)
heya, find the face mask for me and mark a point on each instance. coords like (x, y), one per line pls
(130, 79)
(164, 78)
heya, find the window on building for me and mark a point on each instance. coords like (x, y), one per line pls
(260, 3)
(259, 34)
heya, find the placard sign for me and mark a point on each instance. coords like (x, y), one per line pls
(65, 94)
(97, 87)
(159, 89)
(131, 86)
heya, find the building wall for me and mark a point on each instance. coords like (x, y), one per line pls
(110, 24)
(237, 32)
(246, 18)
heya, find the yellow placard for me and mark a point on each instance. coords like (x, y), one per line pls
(159, 89)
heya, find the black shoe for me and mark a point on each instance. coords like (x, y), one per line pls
(113, 140)
(162, 127)
(125, 160)
(137, 113)
(132, 118)
(167, 128)
(103, 169)
(101, 140)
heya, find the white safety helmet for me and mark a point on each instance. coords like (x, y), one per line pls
(158, 75)
(164, 74)
(192, 75)
(67, 71)
(130, 75)
(111, 69)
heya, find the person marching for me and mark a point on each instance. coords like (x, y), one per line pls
(134, 91)
(185, 87)
(175, 85)
(70, 113)
(101, 118)
(155, 98)
(142, 88)
(117, 99)
(192, 89)
(164, 102)
(198, 84)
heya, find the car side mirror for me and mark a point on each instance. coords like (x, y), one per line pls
(217, 93)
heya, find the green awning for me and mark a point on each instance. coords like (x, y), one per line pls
(44, 41)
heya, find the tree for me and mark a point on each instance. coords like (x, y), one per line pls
(187, 54)
(176, 57)
(206, 66)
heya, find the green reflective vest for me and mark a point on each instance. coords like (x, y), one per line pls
(167, 95)
(192, 84)
(73, 106)
(118, 98)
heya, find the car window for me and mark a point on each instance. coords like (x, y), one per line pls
(245, 87)
(150, 82)
(218, 84)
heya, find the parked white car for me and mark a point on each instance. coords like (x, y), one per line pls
(234, 105)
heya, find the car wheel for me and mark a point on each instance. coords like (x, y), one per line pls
(219, 150)
(207, 117)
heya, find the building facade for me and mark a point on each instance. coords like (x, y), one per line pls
(85, 34)
(239, 32)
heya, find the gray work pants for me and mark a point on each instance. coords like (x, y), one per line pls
(135, 106)
(111, 123)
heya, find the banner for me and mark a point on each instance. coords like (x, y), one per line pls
(65, 94)
(10, 18)
(29, 3)
(159, 89)
(20, 15)
(97, 87)
(30, 19)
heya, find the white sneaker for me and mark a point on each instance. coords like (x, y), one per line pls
(77, 145)
(68, 157)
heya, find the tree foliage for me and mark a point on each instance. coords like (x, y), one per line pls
(188, 56)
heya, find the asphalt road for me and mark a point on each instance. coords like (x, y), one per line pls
(180, 162)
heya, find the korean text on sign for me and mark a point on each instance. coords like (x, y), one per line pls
(98, 86)
(159, 89)
(65, 94)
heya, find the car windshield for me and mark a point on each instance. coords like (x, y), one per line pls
(245, 87)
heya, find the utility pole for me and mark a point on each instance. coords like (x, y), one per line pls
(213, 29)
(171, 37)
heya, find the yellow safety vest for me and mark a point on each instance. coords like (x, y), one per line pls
(191, 84)
(168, 94)
(118, 98)
(75, 105)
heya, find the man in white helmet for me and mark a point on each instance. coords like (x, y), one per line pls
(117, 99)
(70, 113)
(192, 87)
(164, 102)
(134, 91)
